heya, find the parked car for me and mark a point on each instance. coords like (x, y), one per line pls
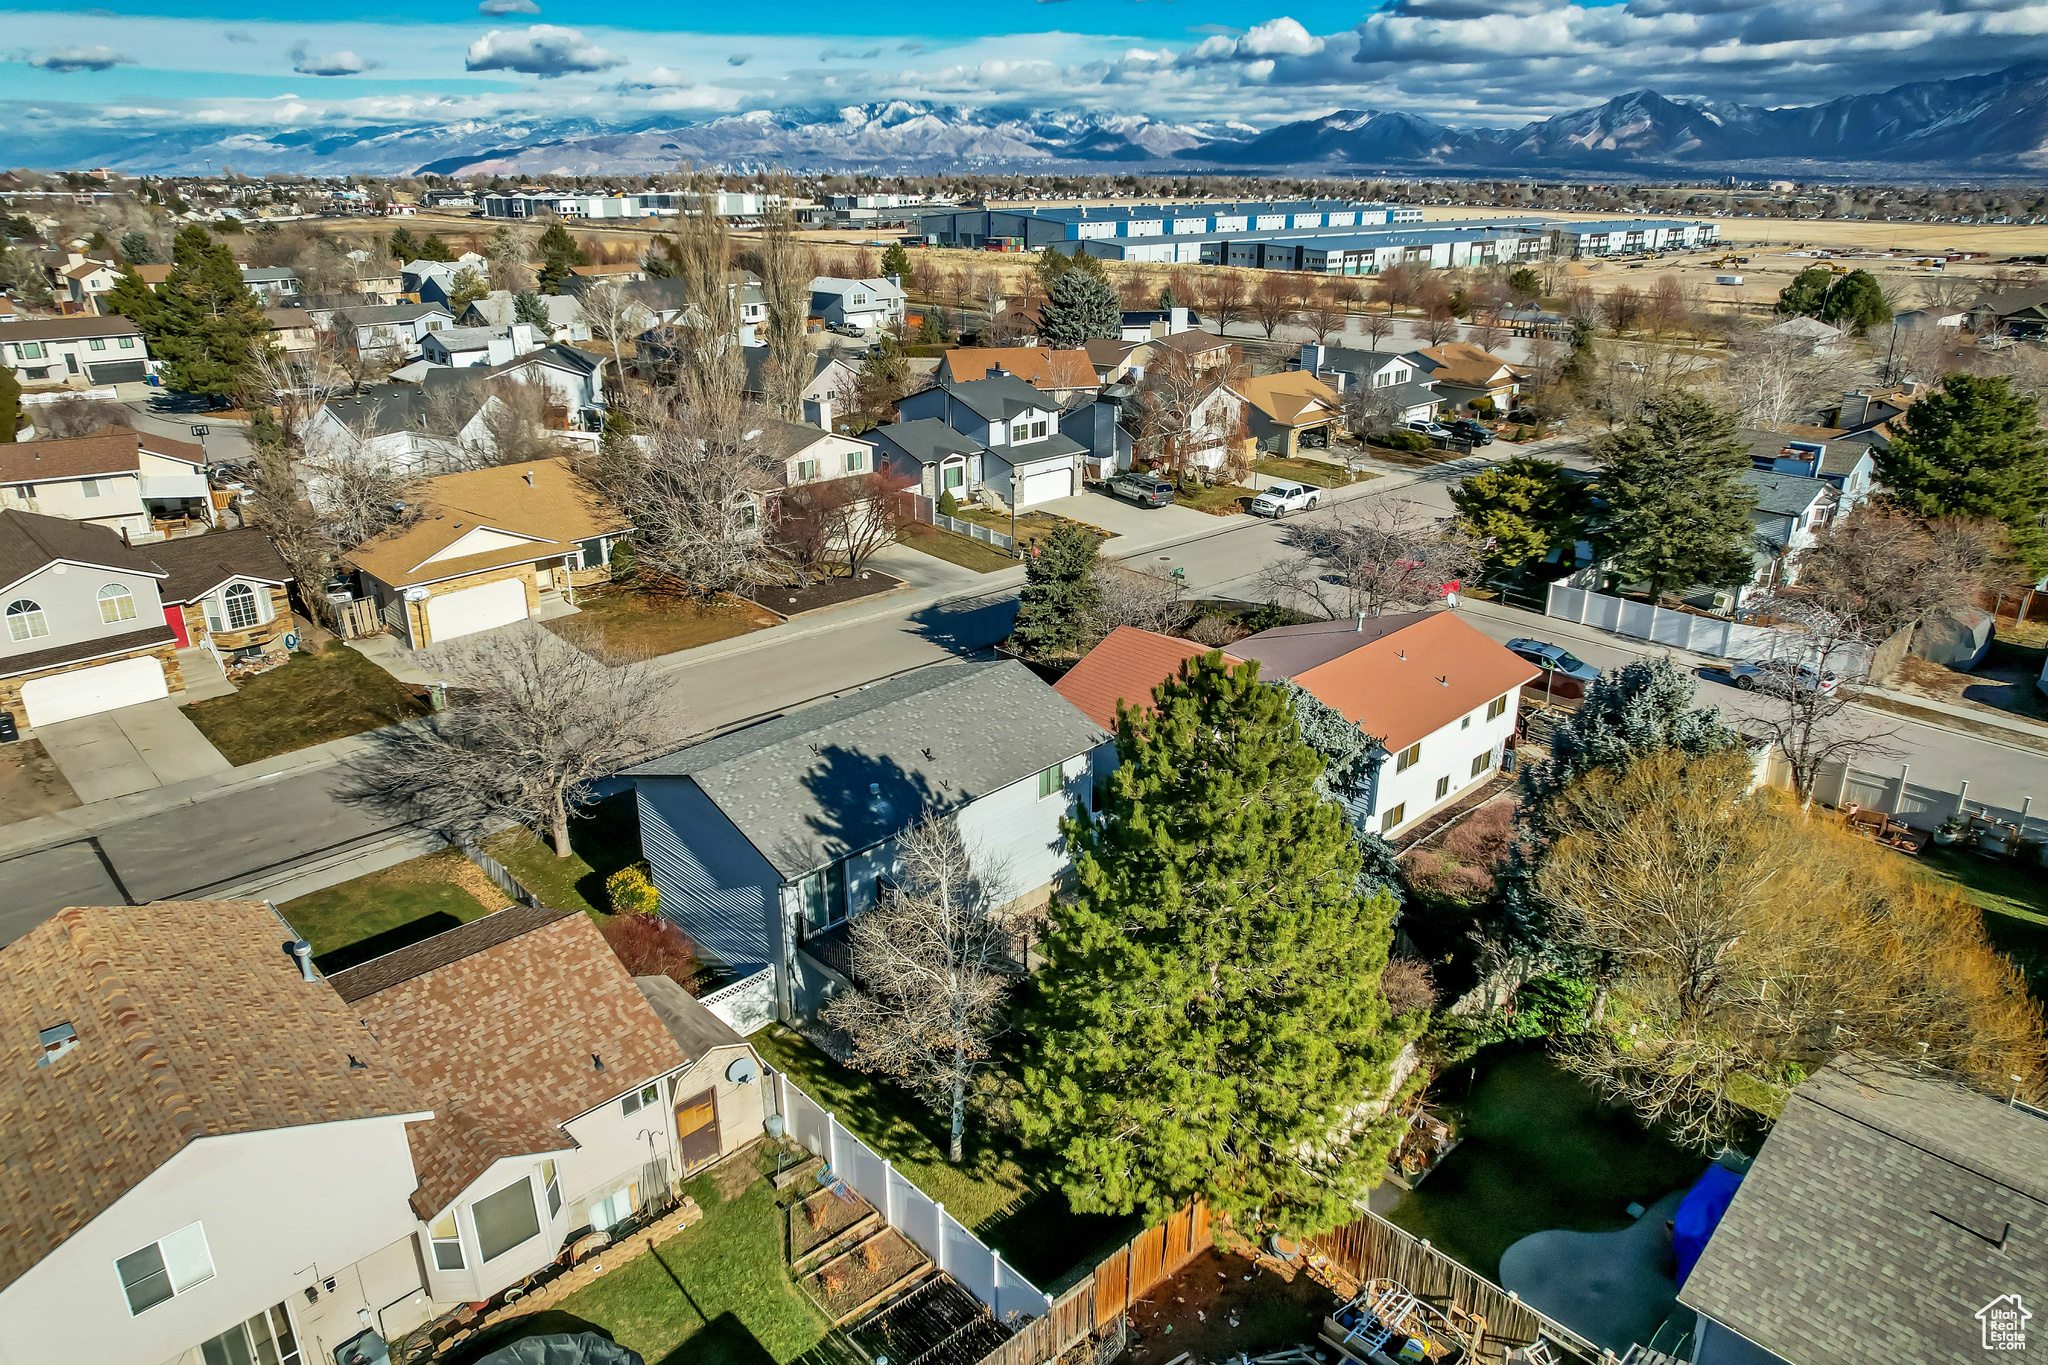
(1465, 429)
(1749, 677)
(1146, 490)
(1426, 428)
(1282, 498)
(1567, 675)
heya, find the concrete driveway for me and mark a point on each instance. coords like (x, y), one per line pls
(1135, 526)
(128, 750)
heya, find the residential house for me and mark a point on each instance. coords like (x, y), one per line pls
(85, 626)
(1123, 671)
(291, 330)
(1405, 390)
(434, 281)
(461, 347)
(1025, 457)
(863, 305)
(488, 548)
(498, 310)
(205, 1157)
(1809, 336)
(805, 454)
(271, 284)
(623, 271)
(399, 326)
(1098, 429)
(230, 592)
(1115, 361)
(766, 841)
(563, 1101)
(1290, 409)
(1441, 699)
(1845, 459)
(1876, 411)
(1470, 379)
(1790, 510)
(665, 303)
(2021, 313)
(1891, 1214)
(77, 352)
(1921, 319)
(1148, 324)
(119, 478)
(85, 282)
(1067, 376)
(931, 457)
(828, 392)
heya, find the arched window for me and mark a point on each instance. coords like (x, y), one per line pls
(116, 604)
(241, 603)
(25, 620)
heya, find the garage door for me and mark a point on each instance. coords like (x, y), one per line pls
(1046, 485)
(89, 691)
(451, 615)
(118, 372)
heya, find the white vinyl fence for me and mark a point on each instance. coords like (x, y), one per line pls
(746, 1005)
(908, 1209)
(1917, 804)
(1688, 631)
(927, 511)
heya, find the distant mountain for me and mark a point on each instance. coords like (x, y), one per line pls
(1990, 125)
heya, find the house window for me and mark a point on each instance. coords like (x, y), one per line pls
(447, 1242)
(25, 620)
(806, 470)
(550, 1178)
(824, 898)
(163, 1270)
(1496, 708)
(1482, 763)
(1020, 432)
(90, 487)
(1393, 818)
(241, 606)
(856, 461)
(953, 476)
(30, 350)
(634, 1103)
(1464, 722)
(97, 343)
(1443, 786)
(1050, 782)
(265, 1339)
(1408, 757)
(505, 1219)
(1038, 429)
(127, 343)
(116, 604)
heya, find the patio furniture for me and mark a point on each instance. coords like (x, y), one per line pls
(1875, 824)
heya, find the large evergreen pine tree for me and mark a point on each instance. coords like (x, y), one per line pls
(558, 252)
(1056, 610)
(134, 300)
(1677, 505)
(1079, 305)
(1210, 1022)
(1975, 449)
(211, 325)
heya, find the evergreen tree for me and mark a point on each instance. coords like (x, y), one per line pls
(558, 253)
(1853, 300)
(1080, 305)
(529, 307)
(210, 324)
(402, 246)
(1974, 449)
(936, 328)
(432, 248)
(1211, 1022)
(136, 250)
(896, 261)
(1677, 505)
(134, 300)
(1167, 302)
(466, 288)
(1579, 358)
(10, 404)
(1525, 506)
(1056, 610)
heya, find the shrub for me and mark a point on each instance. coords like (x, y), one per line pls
(631, 892)
(1483, 407)
(623, 561)
(1407, 985)
(949, 506)
(1216, 631)
(1412, 441)
(649, 945)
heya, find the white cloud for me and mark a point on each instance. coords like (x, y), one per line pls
(95, 58)
(508, 7)
(539, 50)
(329, 64)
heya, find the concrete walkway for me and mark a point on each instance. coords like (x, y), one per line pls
(128, 750)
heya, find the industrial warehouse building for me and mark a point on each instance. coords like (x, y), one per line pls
(652, 204)
(1035, 228)
(1631, 236)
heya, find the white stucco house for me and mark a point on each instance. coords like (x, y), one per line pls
(117, 477)
(767, 841)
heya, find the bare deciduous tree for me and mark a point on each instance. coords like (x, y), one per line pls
(518, 423)
(539, 723)
(1775, 380)
(931, 967)
(361, 356)
(1377, 327)
(848, 520)
(786, 286)
(1438, 326)
(615, 317)
(1223, 299)
(1370, 412)
(1181, 422)
(1324, 317)
(1368, 557)
(78, 416)
(1272, 303)
(1149, 599)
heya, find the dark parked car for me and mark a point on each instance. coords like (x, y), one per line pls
(1146, 490)
(1465, 429)
(1565, 674)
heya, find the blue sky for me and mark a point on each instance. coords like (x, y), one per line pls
(259, 63)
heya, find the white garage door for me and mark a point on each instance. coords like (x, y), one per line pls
(1046, 485)
(451, 615)
(89, 691)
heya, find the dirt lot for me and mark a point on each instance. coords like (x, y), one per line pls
(30, 784)
(1223, 1304)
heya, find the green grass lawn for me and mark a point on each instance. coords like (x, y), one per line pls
(647, 625)
(1219, 500)
(993, 1193)
(718, 1294)
(604, 840)
(2012, 893)
(1311, 472)
(968, 553)
(1030, 528)
(308, 701)
(387, 910)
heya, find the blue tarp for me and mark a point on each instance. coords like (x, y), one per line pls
(1699, 1213)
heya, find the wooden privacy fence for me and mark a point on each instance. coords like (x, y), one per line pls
(1373, 1249)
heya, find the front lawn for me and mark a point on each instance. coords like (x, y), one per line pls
(1030, 527)
(2012, 893)
(605, 838)
(954, 548)
(1218, 500)
(717, 1294)
(994, 1192)
(1314, 472)
(309, 700)
(384, 911)
(629, 623)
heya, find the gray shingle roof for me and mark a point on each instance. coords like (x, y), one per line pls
(798, 786)
(1784, 495)
(998, 399)
(928, 440)
(1885, 1209)
(465, 338)
(373, 314)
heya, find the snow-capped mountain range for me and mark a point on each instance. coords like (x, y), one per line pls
(1989, 125)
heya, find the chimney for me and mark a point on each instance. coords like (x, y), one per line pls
(1855, 407)
(1178, 321)
(523, 339)
(818, 413)
(303, 951)
(1359, 629)
(1312, 357)
(500, 351)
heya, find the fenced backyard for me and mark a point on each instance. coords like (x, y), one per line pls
(1714, 635)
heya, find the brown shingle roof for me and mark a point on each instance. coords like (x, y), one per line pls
(80, 651)
(192, 1022)
(557, 508)
(501, 1037)
(1469, 366)
(199, 564)
(1126, 667)
(1292, 397)
(151, 273)
(111, 450)
(29, 540)
(70, 329)
(1039, 366)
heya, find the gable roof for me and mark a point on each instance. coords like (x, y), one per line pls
(1785, 495)
(1039, 366)
(1292, 397)
(1354, 361)
(556, 509)
(1466, 365)
(695, 1028)
(1125, 667)
(499, 308)
(110, 450)
(1000, 398)
(1192, 342)
(462, 338)
(756, 358)
(30, 540)
(1400, 677)
(196, 565)
(928, 440)
(370, 315)
(882, 289)
(70, 329)
(781, 440)
(798, 786)
(502, 1025)
(192, 1022)
(1885, 1208)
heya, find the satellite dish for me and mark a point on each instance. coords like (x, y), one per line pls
(742, 1071)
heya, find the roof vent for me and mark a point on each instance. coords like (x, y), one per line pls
(878, 804)
(528, 476)
(303, 951)
(356, 1063)
(56, 1040)
(1402, 655)
(597, 1061)
(1444, 680)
